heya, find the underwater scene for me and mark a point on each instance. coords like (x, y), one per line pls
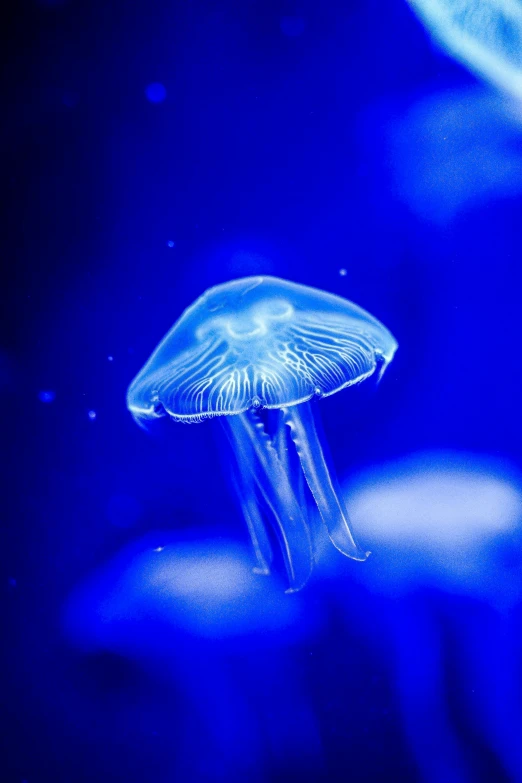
(262, 452)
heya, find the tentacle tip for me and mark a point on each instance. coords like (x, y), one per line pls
(351, 551)
(360, 555)
(297, 586)
(261, 571)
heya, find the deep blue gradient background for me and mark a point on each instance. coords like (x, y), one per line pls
(271, 153)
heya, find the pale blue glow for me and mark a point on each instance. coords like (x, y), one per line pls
(484, 35)
(256, 345)
(441, 587)
(439, 518)
(188, 609)
(432, 503)
(156, 92)
(47, 396)
(205, 588)
(456, 150)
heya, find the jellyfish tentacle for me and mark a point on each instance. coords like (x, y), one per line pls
(321, 480)
(258, 455)
(244, 486)
(289, 461)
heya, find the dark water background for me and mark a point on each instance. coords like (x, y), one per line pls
(272, 152)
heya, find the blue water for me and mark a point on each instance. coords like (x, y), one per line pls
(150, 152)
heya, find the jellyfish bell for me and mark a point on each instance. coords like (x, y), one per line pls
(263, 344)
(258, 341)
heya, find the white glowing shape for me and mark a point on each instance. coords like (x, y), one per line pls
(484, 35)
(218, 578)
(251, 323)
(202, 587)
(434, 501)
(456, 150)
(258, 337)
(443, 519)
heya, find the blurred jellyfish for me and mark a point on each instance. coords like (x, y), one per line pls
(446, 532)
(156, 92)
(484, 35)
(46, 395)
(192, 612)
(438, 503)
(255, 352)
(454, 151)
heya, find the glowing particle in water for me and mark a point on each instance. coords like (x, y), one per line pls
(155, 92)
(110, 358)
(91, 415)
(171, 243)
(46, 396)
(343, 272)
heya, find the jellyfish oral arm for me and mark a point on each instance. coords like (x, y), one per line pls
(257, 456)
(244, 485)
(321, 480)
(288, 458)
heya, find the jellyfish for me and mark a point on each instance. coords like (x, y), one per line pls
(256, 352)
(192, 615)
(484, 35)
(456, 150)
(444, 585)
